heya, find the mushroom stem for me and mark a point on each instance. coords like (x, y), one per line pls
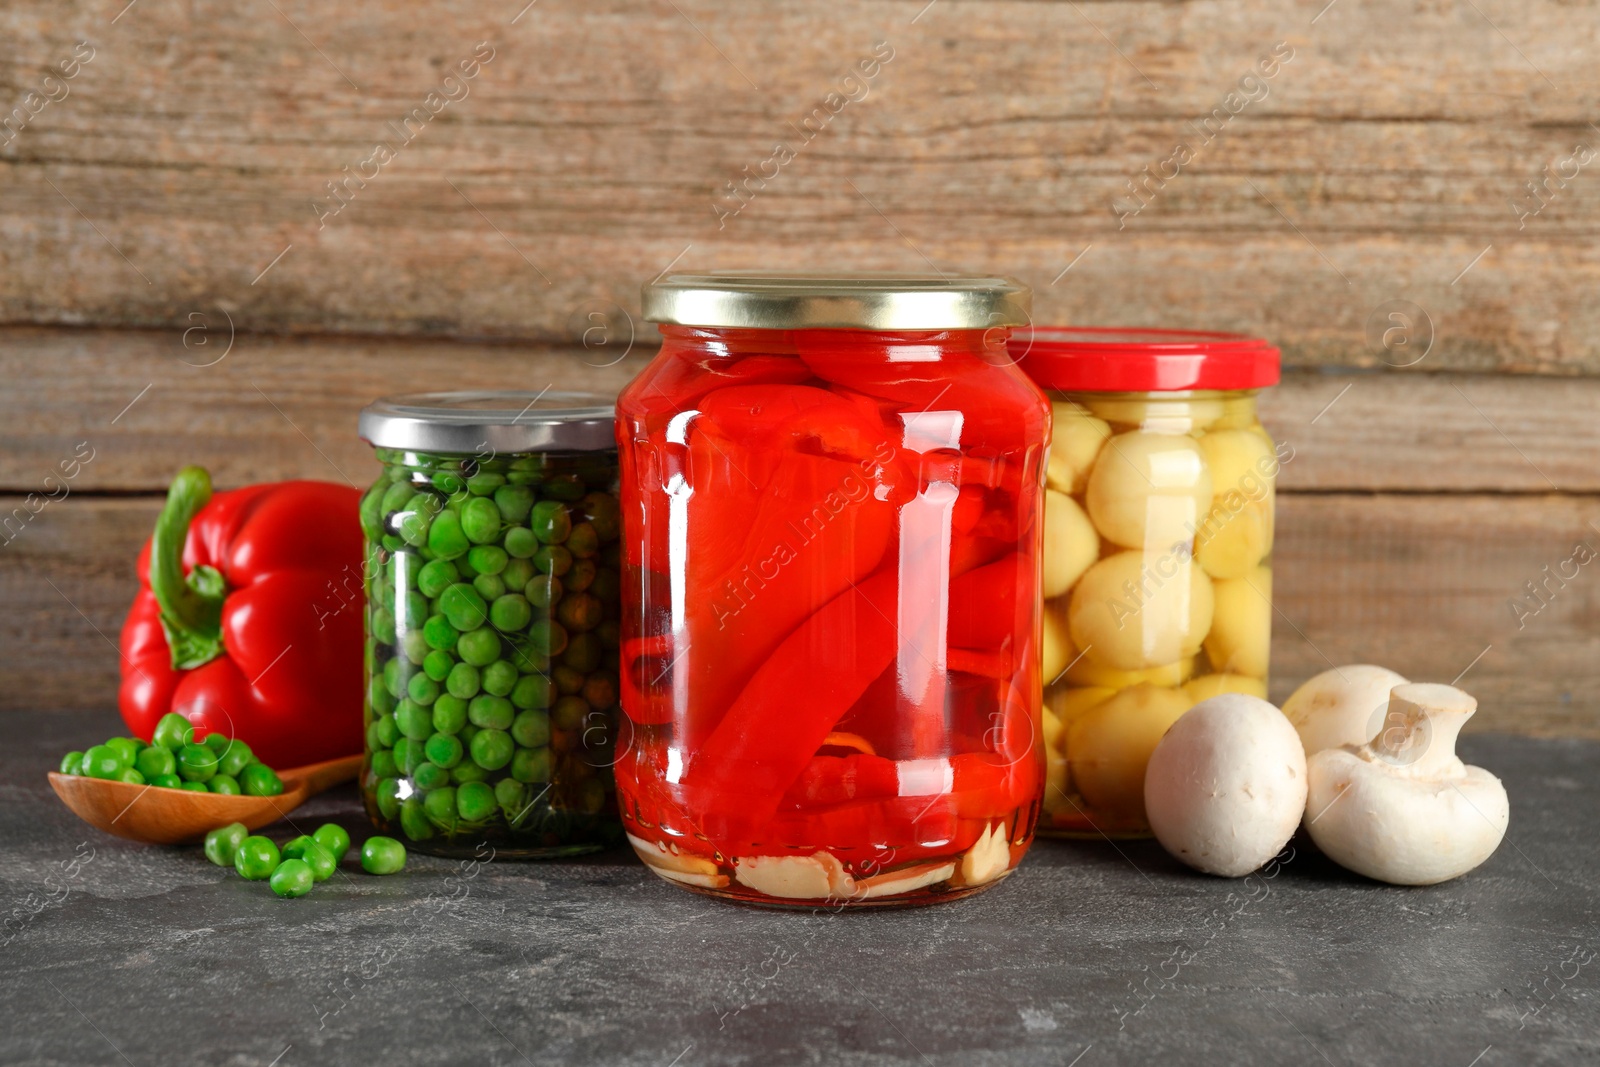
(1420, 729)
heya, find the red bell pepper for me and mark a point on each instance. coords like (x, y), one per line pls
(245, 623)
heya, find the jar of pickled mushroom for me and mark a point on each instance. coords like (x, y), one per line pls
(493, 622)
(830, 661)
(1158, 524)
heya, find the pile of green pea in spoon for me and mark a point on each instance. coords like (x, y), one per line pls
(310, 858)
(175, 760)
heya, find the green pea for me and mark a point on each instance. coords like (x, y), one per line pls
(422, 690)
(150, 762)
(414, 647)
(446, 538)
(484, 483)
(194, 787)
(224, 785)
(413, 611)
(480, 521)
(438, 633)
(436, 576)
(437, 665)
(583, 542)
(383, 765)
(532, 691)
(443, 750)
(448, 482)
(196, 763)
(581, 574)
(389, 797)
(510, 612)
(417, 519)
(408, 755)
(388, 732)
(604, 513)
(491, 749)
(489, 712)
(567, 679)
(381, 623)
(467, 732)
(547, 637)
(395, 497)
(464, 607)
(550, 522)
(531, 729)
(518, 573)
(130, 776)
(463, 680)
(499, 678)
(607, 586)
(520, 543)
(479, 647)
(430, 776)
(415, 720)
(531, 765)
(467, 771)
(584, 653)
(293, 878)
(414, 821)
(511, 796)
(334, 838)
(475, 802)
(237, 757)
(256, 858)
(395, 676)
(449, 714)
(172, 731)
(568, 487)
(382, 855)
(222, 844)
(168, 781)
(487, 559)
(127, 748)
(321, 861)
(259, 780)
(569, 712)
(580, 611)
(489, 586)
(553, 559)
(440, 806)
(600, 690)
(524, 658)
(543, 590)
(370, 512)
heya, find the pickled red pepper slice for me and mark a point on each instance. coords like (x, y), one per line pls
(782, 516)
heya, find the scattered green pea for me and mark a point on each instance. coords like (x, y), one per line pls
(293, 878)
(382, 855)
(334, 838)
(256, 858)
(223, 843)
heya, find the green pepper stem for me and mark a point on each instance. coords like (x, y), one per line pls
(191, 608)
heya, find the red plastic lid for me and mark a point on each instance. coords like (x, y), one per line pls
(1114, 359)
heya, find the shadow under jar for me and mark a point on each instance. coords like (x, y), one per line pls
(830, 626)
(1158, 529)
(492, 593)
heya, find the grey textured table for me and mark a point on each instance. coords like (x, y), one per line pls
(1090, 954)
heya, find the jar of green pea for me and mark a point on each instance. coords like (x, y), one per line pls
(492, 606)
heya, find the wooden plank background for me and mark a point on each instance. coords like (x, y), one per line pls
(168, 293)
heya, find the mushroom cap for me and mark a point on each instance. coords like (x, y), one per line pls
(1400, 829)
(1342, 706)
(1226, 786)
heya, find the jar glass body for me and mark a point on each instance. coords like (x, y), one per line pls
(830, 625)
(493, 623)
(1157, 584)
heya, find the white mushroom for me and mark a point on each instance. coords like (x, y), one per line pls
(1403, 808)
(1226, 785)
(1341, 707)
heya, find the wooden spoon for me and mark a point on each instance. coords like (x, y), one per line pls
(162, 816)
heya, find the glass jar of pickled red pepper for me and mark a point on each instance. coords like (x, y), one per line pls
(1158, 526)
(493, 622)
(830, 658)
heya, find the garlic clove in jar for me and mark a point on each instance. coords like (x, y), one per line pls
(1149, 489)
(1075, 441)
(1237, 531)
(1133, 615)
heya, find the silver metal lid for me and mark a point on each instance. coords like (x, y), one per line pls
(764, 300)
(504, 422)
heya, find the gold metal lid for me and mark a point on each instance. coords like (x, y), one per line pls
(763, 300)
